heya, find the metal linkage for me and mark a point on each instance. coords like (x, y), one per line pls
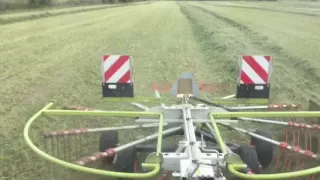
(179, 121)
(290, 123)
(270, 107)
(194, 160)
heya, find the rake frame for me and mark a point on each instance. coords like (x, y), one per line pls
(192, 158)
(159, 159)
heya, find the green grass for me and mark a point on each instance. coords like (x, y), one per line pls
(58, 59)
(293, 45)
(8, 18)
(293, 7)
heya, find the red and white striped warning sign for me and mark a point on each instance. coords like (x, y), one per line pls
(255, 69)
(117, 69)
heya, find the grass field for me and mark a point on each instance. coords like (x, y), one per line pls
(57, 59)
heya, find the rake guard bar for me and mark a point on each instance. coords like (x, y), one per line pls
(154, 166)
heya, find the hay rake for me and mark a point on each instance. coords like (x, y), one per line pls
(200, 152)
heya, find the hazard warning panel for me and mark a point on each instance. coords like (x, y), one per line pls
(254, 77)
(117, 76)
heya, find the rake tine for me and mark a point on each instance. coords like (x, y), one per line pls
(58, 150)
(46, 151)
(80, 144)
(52, 146)
(54, 152)
(87, 144)
(75, 146)
(64, 147)
(69, 146)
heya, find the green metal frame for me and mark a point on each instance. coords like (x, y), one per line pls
(234, 167)
(156, 166)
(45, 111)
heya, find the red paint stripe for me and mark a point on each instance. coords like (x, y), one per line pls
(256, 67)
(98, 155)
(74, 131)
(105, 57)
(283, 145)
(83, 130)
(135, 166)
(115, 67)
(272, 106)
(290, 124)
(296, 148)
(154, 87)
(298, 106)
(125, 78)
(308, 153)
(245, 78)
(268, 58)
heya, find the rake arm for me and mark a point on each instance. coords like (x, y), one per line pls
(93, 130)
(113, 151)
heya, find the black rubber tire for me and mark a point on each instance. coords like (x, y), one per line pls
(264, 149)
(108, 140)
(125, 160)
(249, 155)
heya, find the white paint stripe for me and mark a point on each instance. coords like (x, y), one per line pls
(122, 71)
(262, 61)
(251, 73)
(110, 61)
(80, 163)
(156, 92)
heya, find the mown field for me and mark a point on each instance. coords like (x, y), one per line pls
(57, 59)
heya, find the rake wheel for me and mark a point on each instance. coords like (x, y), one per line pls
(263, 148)
(249, 155)
(108, 140)
(125, 160)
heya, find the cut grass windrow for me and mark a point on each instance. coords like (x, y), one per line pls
(266, 9)
(18, 18)
(228, 39)
(311, 73)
